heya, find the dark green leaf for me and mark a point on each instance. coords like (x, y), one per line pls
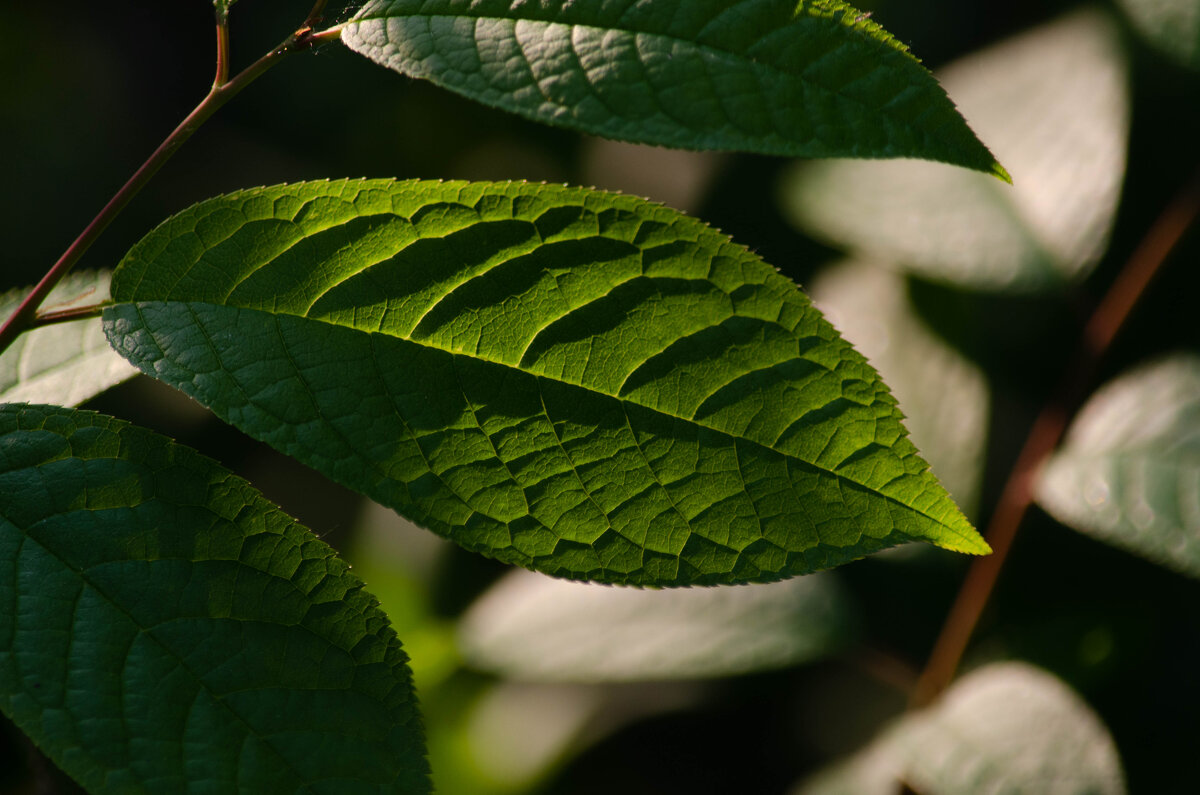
(1129, 470)
(163, 627)
(577, 382)
(809, 79)
(66, 363)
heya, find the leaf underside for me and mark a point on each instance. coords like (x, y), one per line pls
(1004, 728)
(163, 627)
(813, 79)
(581, 383)
(1129, 471)
(67, 363)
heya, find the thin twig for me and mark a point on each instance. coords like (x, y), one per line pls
(67, 315)
(316, 15)
(1106, 321)
(222, 51)
(22, 318)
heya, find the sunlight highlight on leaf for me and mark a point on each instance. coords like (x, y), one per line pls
(1054, 105)
(582, 383)
(943, 395)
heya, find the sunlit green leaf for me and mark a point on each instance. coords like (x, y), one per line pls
(1129, 470)
(944, 396)
(811, 79)
(1006, 728)
(1054, 105)
(65, 363)
(535, 628)
(161, 624)
(577, 382)
(1173, 26)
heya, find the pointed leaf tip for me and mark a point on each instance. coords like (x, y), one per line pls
(809, 79)
(582, 383)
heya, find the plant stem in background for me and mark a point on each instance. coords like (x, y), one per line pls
(23, 317)
(1106, 321)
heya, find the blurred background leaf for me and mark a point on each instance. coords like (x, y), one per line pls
(65, 363)
(1053, 105)
(1129, 470)
(1005, 728)
(1172, 26)
(534, 628)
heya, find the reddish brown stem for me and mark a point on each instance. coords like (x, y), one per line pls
(23, 317)
(1102, 328)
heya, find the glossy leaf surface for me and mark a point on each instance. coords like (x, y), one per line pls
(1129, 470)
(1054, 104)
(163, 626)
(809, 79)
(535, 628)
(576, 382)
(1005, 728)
(66, 363)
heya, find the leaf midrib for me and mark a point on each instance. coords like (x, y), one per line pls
(591, 390)
(752, 62)
(146, 632)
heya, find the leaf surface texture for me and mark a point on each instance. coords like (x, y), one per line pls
(812, 79)
(163, 627)
(576, 382)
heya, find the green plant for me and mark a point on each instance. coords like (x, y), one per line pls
(582, 383)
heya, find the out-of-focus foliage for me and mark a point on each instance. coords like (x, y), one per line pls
(1129, 470)
(1173, 26)
(1006, 728)
(538, 629)
(67, 363)
(1054, 104)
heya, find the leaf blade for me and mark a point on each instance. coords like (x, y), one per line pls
(817, 79)
(577, 382)
(172, 620)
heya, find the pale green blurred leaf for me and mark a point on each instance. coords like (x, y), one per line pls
(1172, 26)
(943, 395)
(1054, 105)
(1005, 729)
(1128, 472)
(65, 363)
(535, 628)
